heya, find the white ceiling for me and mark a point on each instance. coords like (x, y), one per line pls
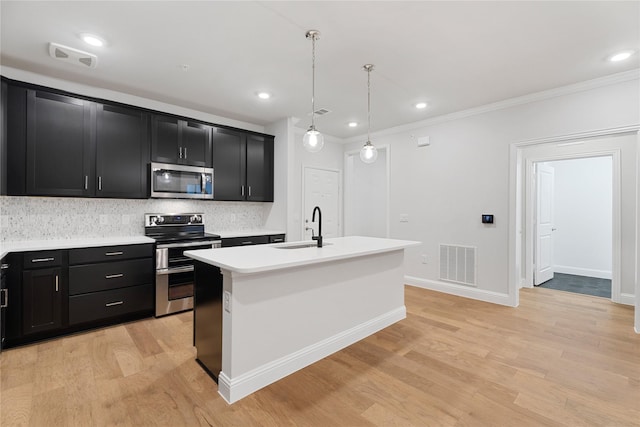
(453, 55)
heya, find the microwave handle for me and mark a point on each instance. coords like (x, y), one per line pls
(203, 183)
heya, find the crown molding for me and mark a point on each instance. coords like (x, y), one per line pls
(508, 103)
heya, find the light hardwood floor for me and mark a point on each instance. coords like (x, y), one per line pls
(558, 359)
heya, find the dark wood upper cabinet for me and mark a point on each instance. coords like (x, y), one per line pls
(229, 165)
(259, 168)
(242, 166)
(122, 152)
(60, 145)
(180, 141)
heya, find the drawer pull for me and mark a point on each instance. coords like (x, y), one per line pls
(248, 243)
(278, 240)
(42, 259)
(113, 276)
(57, 283)
(111, 304)
(113, 253)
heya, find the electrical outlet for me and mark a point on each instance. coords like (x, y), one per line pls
(404, 217)
(227, 301)
(424, 258)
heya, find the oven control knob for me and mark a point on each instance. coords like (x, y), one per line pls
(159, 219)
(195, 219)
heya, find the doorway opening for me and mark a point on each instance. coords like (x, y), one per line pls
(366, 202)
(573, 225)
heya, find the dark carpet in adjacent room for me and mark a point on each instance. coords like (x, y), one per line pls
(579, 284)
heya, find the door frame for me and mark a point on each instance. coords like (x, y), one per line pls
(348, 190)
(519, 179)
(304, 196)
(536, 225)
(530, 196)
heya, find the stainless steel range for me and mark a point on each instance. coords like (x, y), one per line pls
(174, 234)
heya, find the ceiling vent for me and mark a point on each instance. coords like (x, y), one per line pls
(321, 112)
(73, 56)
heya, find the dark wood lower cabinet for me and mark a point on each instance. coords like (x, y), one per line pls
(41, 300)
(57, 292)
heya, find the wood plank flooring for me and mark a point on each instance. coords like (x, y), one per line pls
(558, 359)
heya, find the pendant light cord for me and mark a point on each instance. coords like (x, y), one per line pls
(313, 80)
(369, 105)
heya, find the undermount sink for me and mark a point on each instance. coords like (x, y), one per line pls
(301, 246)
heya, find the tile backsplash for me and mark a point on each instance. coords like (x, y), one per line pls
(45, 218)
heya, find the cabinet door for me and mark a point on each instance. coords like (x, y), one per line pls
(60, 145)
(122, 146)
(195, 144)
(164, 139)
(41, 300)
(229, 173)
(259, 168)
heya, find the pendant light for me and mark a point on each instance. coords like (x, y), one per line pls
(368, 153)
(313, 140)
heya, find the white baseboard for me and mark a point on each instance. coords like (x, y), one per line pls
(628, 299)
(234, 389)
(461, 290)
(578, 271)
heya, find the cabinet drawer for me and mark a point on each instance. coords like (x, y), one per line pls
(110, 275)
(276, 238)
(245, 241)
(107, 304)
(110, 253)
(42, 259)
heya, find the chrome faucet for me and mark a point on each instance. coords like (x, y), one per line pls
(313, 219)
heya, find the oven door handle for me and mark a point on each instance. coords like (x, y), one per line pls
(188, 244)
(183, 269)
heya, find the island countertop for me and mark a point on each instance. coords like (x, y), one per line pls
(259, 258)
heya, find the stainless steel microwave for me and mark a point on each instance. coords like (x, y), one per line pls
(181, 182)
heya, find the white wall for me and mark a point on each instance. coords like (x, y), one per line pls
(365, 205)
(444, 188)
(583, 217)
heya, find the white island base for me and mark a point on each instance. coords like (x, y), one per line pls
(288, 308)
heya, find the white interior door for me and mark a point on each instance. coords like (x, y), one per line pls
(544, 224)
(321, 188)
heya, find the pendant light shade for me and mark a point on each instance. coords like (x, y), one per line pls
(313, 140)
(368, 153)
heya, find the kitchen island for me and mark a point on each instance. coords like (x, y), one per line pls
(286, 306)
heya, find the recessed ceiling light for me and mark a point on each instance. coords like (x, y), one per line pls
(353, 124)
(421, 105)
(621, 56)
(264, 95)
(92, 40)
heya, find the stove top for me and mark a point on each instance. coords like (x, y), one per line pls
(176, 228)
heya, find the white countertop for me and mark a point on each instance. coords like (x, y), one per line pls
(246, 233)
(43, 245)
(259, 258)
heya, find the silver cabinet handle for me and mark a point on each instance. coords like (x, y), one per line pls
(249, 191)
(242, 189)
(113, 253)
(113, 276)
(57, 283)
(99, 183)
(5, 299)
(278, 240)
(42, 259)
(86, 182)
(185, 152)
(248, 243)
(111, 304)
(180, 152)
